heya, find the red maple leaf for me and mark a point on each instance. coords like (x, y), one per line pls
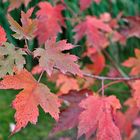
(133, 29)
(52, 56)
(94, 29)
(2, 36)
(91, 114)
(53, 19)
(69, 117)
(136, 89)
(98, 116)
(84, 4)
(113, 72)
(27, 101)
(97, 59)
(126, 120)
(17, 3)
(113, 23)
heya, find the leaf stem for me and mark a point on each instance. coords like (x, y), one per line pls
(27, 47)
(40, 76)
(103, 92)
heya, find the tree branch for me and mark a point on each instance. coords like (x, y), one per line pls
(112, 78)
(105, 77)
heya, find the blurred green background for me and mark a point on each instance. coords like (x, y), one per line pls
(45, 122)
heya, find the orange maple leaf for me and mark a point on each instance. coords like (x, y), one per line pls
(27, 101)
(66, 84)
(134, 63)
(97, 59)
(28, 28)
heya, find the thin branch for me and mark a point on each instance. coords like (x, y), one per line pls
(105, 77)
(26, 43)
(112, 78)
(107, 85)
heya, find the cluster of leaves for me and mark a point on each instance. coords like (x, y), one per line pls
(96, 116)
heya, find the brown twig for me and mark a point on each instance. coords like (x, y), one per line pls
(103, 77)
(107, 85)
(112, 78)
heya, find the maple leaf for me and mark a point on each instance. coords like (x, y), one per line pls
(3, 36)
(75, 97)
(126, 120)
(106, 17)
(17, 3)
(98, 60)
(66, 83)
(28, 28)
(113, 72)
(36, 69)
(98, 116)
(134, 63)
(84, 4)
(113, 23)
(27, 101)
(53, 19)
(69, 117)
(123, 124)
(52, 56)
(133, 110)
(136, 88)
(133, 30)
(94, 29)
(10, 58)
